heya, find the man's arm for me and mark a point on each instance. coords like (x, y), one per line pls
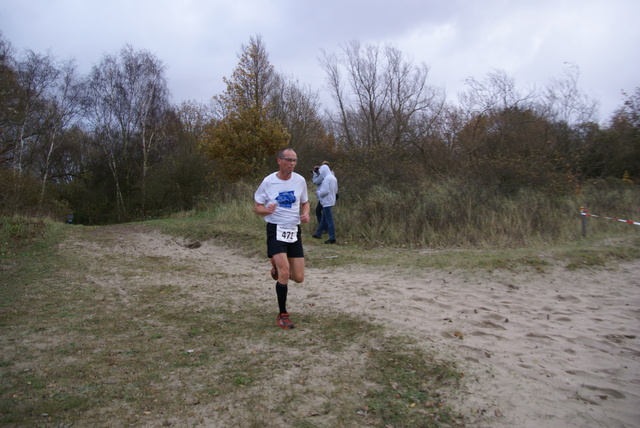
(304, 212)
(263, 210)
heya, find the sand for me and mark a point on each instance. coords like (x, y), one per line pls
(557, 348)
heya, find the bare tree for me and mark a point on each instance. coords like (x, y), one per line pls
(297, 108)
(64, 109)
(339, 123)
(194, 116)
(37, 76)
(565, 102)
(109, 122)
(486, 104)
(8, 99)
(496, 92)
(384, 108)
(147, 89)
(125, 102)
(383, 98)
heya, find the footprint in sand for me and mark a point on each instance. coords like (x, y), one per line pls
(491, 324)
(495, 316)
(568, 298)
(606, 391)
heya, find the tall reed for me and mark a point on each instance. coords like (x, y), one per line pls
(450, 213)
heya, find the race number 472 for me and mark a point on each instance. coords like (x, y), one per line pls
(287, 233)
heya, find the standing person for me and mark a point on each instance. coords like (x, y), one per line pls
(283, 201)
(326, 193)
(317, 180)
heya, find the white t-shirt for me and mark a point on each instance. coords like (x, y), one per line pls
(287, 194)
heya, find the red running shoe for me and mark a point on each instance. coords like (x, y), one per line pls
(285, 322)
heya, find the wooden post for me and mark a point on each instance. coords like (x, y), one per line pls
(584, 221)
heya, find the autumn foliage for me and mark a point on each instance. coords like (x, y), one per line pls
(110, 146)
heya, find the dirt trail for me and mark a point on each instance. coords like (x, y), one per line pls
(555, 349)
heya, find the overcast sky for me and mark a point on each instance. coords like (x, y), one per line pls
(199, 40)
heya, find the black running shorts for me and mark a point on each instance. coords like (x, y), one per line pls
(275, 247)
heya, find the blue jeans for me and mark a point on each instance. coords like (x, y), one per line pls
(326, 223)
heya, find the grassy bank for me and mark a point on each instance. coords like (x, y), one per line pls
(454, 214)
(445, 214)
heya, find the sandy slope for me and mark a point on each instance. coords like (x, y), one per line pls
(559, 349)
(554, 349)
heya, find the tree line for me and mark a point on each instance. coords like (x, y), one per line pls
(110, 146)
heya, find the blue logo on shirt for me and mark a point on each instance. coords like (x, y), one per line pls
(286, 199)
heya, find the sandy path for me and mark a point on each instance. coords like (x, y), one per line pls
(559, 349)
(553, 349)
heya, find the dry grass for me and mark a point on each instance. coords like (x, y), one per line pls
(92, 337)
(95, 337)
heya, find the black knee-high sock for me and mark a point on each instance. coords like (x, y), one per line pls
(281, 291)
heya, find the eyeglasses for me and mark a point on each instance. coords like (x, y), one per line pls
(290, 160)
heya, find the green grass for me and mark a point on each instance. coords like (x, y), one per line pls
(77, 349)
(602, 255)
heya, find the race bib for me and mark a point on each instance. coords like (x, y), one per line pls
(287, 234)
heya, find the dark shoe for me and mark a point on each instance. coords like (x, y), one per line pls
(330, 241)
(284, 322)
(316, 236)
(274, 273)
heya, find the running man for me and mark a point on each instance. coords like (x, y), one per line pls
(283, 201)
